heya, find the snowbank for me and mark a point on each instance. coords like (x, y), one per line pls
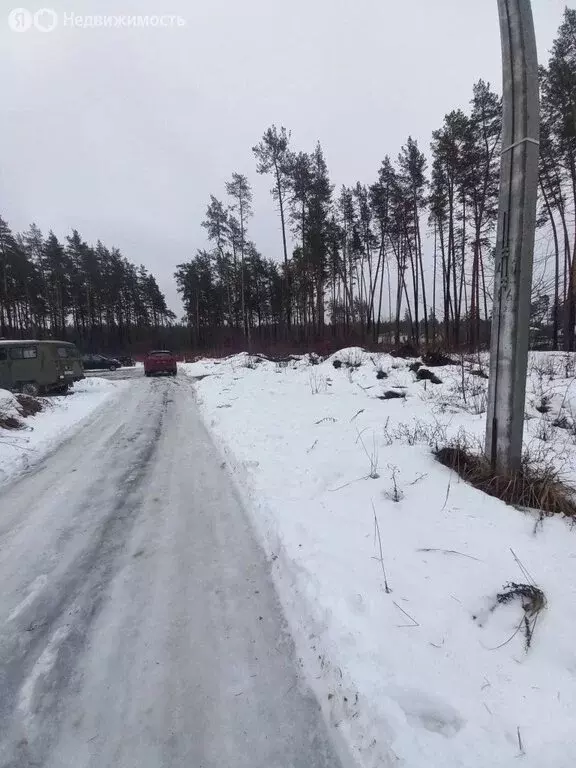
(21, 448)
(432, 672)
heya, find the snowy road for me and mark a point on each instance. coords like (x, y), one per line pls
(139, 627)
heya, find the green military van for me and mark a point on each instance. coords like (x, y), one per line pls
(39, 367)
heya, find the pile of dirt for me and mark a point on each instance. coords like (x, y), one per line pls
(24, 406)
(423, 374)
(392, 394)
(28, 405)
(9, 422)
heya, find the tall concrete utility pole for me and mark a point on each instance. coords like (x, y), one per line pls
(515, 236)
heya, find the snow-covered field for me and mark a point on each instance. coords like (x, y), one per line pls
(22, 448)
(388, 566)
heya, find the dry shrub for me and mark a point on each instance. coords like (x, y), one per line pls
(318, 383)
(569, 365)
(470, 393)
(421, 432)
(435, 359)
(532, 487)
(546, 368)
(545, 430)
(314, 359)
(533, 602)
(404, 351)
(251, 363)
(353, 359)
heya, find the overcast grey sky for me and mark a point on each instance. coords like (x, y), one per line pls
(123, 133)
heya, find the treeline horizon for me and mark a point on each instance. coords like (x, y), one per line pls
(405, 259)
(89, 294)
(359, 266)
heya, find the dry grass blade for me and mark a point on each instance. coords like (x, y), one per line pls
(381, 558)
(412, 619)
(449, 552)
(520, 745)
(522, 567)
(345, 485)
(372, 457)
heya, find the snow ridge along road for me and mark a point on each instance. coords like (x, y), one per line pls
(138, 622)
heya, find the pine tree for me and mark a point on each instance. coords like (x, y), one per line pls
(273, 157)
(240, 192)
(412, 179)
(558, 153)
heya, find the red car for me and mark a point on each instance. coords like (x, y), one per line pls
(160, 361)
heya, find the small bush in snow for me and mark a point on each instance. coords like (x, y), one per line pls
(470, 393)
(546, 368)
(567, 421)
(353, 359)
(371, 455)
(545, 430)
(395, 493)
(420, 432)
(569, 365)
(563, 422)
(251, 363)
(318, 383)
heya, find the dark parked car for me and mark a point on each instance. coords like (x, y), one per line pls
(100, 363)
(160, 361)
(126, 361)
